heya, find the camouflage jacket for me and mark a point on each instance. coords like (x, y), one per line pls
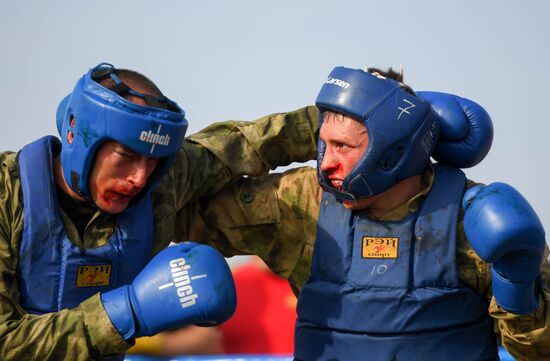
(206, 162)
(275, 217)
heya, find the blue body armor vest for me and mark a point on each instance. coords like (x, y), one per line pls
(55, 274)
(389, 291)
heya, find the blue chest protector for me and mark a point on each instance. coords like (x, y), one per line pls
(55, 274)
(386, 291)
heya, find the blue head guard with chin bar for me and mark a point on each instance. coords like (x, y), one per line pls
(92, 114)
(402, 131)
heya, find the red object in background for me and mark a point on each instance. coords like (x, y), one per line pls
(266, 312)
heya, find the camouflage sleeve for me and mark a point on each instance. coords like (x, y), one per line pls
(526, 337)
(225, 151)
(82, 333)
(274, 140)
(274, 217)
(222, 153)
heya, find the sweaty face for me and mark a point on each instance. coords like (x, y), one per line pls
(346, 141)
(118, 175)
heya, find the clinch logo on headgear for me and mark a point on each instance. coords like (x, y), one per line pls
(182, 281)
(154, 138)
(337, 82)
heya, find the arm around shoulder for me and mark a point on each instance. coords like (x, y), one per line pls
(274, 217)
(253, 148)
(225, 151)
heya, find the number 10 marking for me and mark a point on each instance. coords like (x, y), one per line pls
(379, 269)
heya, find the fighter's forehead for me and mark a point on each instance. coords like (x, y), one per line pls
(329, 116)
(117, 147)
(342, 128)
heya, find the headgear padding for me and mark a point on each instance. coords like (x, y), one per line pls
(402, 131)
(101, 114)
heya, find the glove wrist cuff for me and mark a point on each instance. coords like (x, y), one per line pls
(514, 297)
(117, 305)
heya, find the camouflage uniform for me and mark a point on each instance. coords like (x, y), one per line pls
(275, 217)
(85, 332)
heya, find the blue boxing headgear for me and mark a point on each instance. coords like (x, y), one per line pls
(402, 131)
(156, 130)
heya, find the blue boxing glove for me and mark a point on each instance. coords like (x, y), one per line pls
(184, 284)
(466, 129)
(504, 230)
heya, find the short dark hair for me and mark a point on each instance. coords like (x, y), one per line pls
(392, 74)
(134, 80)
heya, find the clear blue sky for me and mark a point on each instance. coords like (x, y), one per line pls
(241, 59)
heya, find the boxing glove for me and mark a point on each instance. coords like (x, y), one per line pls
(184, 284)
(466, 129)
(504, 230)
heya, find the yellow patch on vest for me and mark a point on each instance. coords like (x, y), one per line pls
(380, 247)
(93, 275)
